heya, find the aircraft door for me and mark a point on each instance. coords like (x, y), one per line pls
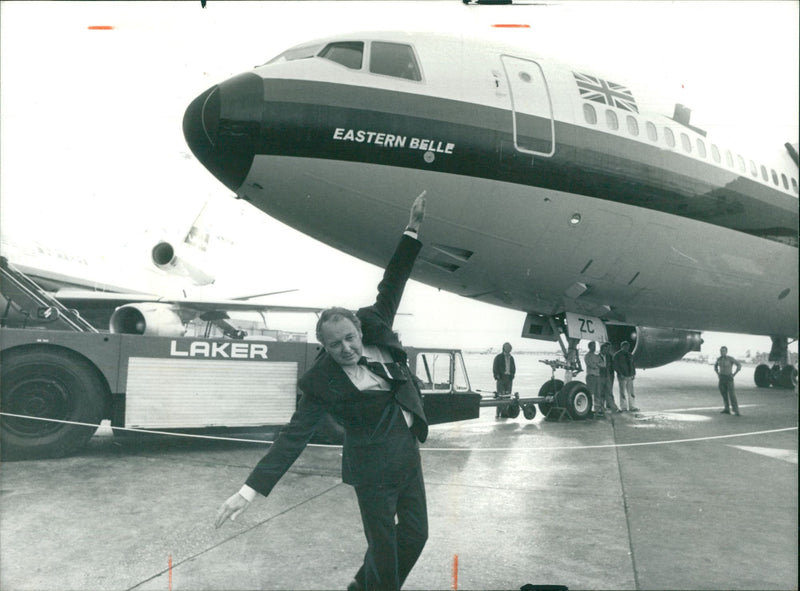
(531, 106)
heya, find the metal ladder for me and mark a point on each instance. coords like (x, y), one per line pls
(33, 306)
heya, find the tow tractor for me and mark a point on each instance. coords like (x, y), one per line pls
(61, 377)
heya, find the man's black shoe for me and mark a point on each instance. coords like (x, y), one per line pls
(725, 412)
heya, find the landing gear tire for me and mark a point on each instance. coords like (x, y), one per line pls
(577, 399)
(529, 411)
(788, 377)
(763, 376)
(48, 385)
(549, 388)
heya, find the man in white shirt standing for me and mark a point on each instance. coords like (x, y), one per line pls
(725, 372)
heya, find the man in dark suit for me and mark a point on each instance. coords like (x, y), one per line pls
(362, 379)
(504, 369)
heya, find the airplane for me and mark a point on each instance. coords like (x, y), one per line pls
(553, 189)
(100, 289)
(173, 264)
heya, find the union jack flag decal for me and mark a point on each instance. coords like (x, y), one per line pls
(608, 93)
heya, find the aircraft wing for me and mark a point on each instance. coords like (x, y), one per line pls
(98, 308)
(80, 299)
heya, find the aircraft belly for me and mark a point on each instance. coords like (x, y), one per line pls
(514, 246)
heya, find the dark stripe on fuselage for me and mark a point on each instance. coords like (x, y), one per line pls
(300, 118)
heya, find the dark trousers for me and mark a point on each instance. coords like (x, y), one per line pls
(393, 547)
(504, 384)
(728, 392)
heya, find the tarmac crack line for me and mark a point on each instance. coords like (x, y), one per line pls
(626, 508)
(233, 537)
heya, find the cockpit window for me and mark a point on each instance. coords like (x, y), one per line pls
(348, 53)
(394, 59)
(296, 53)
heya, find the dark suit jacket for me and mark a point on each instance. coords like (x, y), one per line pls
(499, 367)
(377, 448)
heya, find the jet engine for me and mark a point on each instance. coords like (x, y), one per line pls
(147, 319)
(654, 347)
(165, 257)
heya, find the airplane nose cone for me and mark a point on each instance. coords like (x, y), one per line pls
(222, 127)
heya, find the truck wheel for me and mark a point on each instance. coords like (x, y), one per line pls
(529, 410)
(53, 385)
(512, 410)
(762, 376)
(549, 388)
(577, 399)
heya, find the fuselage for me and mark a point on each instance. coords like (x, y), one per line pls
(550, 188)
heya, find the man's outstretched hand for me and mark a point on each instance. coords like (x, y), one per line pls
(231, 508)
(417, 212)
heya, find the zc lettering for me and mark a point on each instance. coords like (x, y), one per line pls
(587, 326)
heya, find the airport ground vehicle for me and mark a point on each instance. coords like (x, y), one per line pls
(61, 377)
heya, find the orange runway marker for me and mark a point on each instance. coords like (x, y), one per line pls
(455, 571)
(100, 27)
(169, 578)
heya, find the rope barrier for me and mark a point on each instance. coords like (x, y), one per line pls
(154, 432)
(470, 449)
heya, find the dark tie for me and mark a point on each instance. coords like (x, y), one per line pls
(379, 369)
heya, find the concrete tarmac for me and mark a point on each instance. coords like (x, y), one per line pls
(675, 496)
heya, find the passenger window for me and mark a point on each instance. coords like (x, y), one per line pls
(701, 148)
(729, 158)
(764, 173)
(394, 59)
(633, 125)
(348, 53)
(651, 131)
(774, 176)
(794, 185)
(670, 137)
(785, 181)
(686, 143)
(715, 153)
(589, 114)
(611, 119)
(753, 169)
(742, 165)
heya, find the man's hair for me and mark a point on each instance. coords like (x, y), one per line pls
(334, 314)
(592, 345)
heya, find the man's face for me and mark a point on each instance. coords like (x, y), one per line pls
(723, 351)
(342, 340)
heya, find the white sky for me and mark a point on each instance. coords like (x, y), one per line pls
(92, 151)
